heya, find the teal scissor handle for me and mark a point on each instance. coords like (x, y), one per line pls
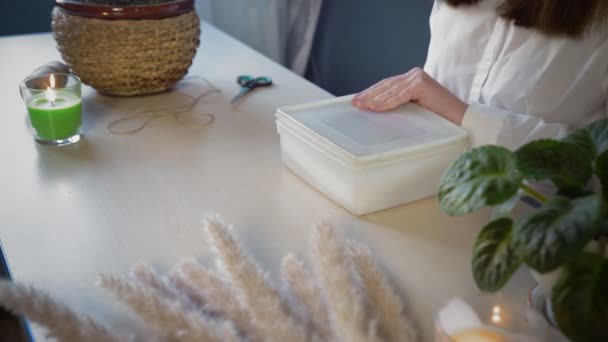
(254, 82)
(248, 83)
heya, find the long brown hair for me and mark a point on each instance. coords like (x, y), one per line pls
(554, 17)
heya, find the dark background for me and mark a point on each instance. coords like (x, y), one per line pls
(25, 16)
(360, 42)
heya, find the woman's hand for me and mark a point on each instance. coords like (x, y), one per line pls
(415, 86)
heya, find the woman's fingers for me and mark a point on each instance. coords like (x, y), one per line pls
(387, 105)
(387, 94)
(371, 92)
(402, 97)
(380, 98)
(391, 94)
(403, 83)
(375, 90)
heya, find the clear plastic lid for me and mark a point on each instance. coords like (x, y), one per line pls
(365, 134)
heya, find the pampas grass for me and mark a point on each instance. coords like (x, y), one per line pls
(146, 276)
(253, 290)
(166, 315)
(205, 286)
(383, 300)
(346, 298)
(339, 285)
(60, 321)
(304, 295)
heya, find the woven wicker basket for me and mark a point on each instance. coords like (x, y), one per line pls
(127, 57)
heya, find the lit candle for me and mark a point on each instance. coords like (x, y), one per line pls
(482, 334)
(54, 113)
(458, 322)
(50, 93)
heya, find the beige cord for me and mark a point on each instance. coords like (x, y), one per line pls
(182, 113)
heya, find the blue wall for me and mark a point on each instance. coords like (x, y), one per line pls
(25, 16)
(359, 42)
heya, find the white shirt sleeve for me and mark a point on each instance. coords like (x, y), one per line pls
(493, 126)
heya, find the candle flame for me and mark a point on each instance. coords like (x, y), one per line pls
(496, 318)
(496, 314)
(49, 93)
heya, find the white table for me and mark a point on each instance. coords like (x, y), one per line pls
(69, 213)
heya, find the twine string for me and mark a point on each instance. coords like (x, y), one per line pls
(182, 114)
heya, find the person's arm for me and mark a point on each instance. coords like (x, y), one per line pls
(487, 125)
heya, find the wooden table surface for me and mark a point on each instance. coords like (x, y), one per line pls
(68, 214)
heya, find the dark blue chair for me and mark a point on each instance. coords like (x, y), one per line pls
(359, 42)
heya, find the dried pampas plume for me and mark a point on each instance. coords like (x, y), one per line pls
(384, 302)
(166, 315)
(62, 323)
(304, 295)
(206, 287)
(346, 297)
(251, 286)
(340, 285)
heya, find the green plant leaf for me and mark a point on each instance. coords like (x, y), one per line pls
(480, 177)
(593, 138)
(558, 231)
(567, 165)
(582, 139)
(601, 171)
(580, 298)
(495, 257)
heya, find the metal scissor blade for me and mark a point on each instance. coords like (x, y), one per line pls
(240, 94)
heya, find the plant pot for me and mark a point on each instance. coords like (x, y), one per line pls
(129, 49)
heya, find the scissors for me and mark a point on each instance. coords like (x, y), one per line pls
(249, 83)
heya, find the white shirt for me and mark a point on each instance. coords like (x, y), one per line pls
(521, 85)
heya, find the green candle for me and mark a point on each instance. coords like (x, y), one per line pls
(55, 114)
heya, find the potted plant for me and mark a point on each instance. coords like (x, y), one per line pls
(566, 235)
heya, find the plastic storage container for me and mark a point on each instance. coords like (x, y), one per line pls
(368, 161)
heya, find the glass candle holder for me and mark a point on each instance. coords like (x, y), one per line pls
(54, 106)
(500, 321)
